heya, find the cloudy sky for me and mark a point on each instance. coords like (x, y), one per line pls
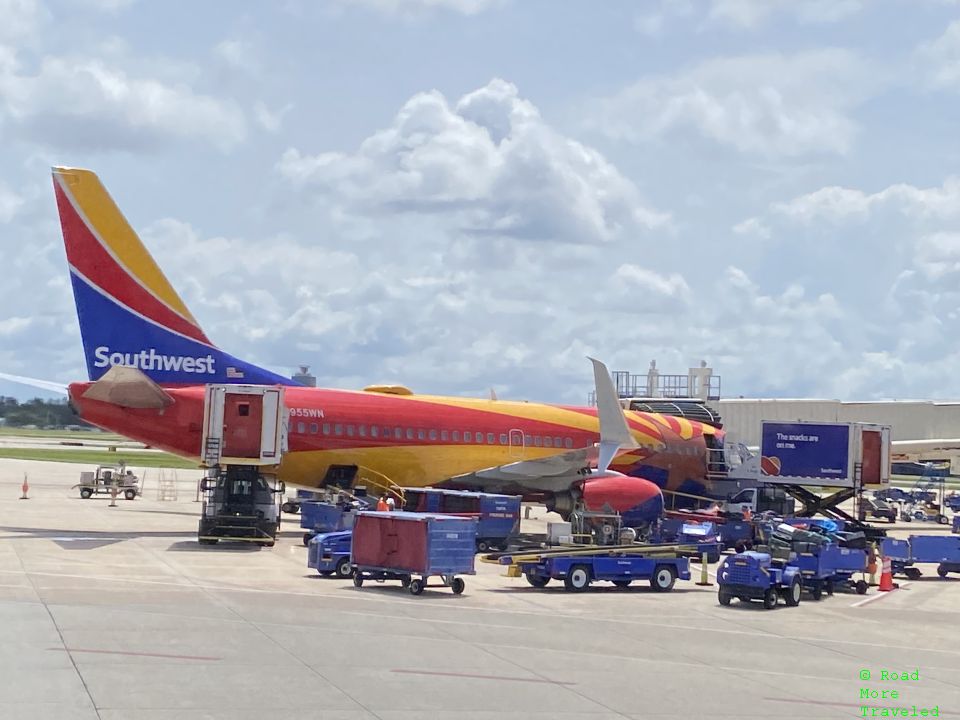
(465, 194)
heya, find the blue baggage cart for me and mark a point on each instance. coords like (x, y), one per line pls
(942, 549)
(578, 571)
(329, 553)
(324, 517)
(829, 568)
(498, 516)
(413, 547)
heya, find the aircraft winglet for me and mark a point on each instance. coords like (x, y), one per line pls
(33, 382)
(614, 431)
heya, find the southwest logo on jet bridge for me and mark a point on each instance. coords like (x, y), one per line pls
(152, 360)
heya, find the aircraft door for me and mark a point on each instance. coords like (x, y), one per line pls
(516, 443)
(242, 425)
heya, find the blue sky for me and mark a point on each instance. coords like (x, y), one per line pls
(465, 194)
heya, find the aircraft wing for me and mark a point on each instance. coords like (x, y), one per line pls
(33, 382)
(557, 472)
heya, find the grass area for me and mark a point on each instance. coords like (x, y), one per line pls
(59, 434)
(100, 457)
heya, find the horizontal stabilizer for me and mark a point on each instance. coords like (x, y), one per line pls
(128, 387)
(33, 382)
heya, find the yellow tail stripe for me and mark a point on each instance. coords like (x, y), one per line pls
(93, 200)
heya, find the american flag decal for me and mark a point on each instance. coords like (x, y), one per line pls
(232, 372)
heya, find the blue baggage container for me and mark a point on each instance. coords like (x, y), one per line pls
(498, 516)
(401, 545)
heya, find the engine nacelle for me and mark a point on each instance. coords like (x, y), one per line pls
(638, 500)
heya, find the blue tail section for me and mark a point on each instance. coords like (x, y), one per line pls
(115, 335)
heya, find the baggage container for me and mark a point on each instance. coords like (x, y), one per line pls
(400, 545)
(498, 516)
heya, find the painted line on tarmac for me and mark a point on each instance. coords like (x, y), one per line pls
(498, 678)
(133, 654)
(879, 596)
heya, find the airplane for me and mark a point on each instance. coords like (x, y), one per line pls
(149, 363)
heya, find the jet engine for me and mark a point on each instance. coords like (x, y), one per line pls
(639, 501)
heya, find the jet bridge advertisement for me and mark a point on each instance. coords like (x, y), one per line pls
(797, 453)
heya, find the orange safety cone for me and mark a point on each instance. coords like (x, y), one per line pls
(886, 577)
(25, 488)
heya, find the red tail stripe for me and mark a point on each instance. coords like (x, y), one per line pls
(88, 256)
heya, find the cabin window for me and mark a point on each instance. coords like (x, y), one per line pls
(301, 427)
(433, 434)
(557, 442)
(480, 438)
(490, 439)
(398, 433)
(537, 441)
(503, 438)
(444, 435)
(374, 431)
(349, 430)
(363, 430)
(528, 440)
(456, 436)
(548, 441)
(314, 428)
(568, 443)
(409, 433)
(326, 428)
(421, 434)
(338, 429)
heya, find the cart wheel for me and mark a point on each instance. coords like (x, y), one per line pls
(578, 579)
(663, 579)
(724, 597)
(357, 580)
(483, 546)
(344, 569)
(416, 586)
(207, 541)
(307, 537)
(941, 571)
(457, 586)
(85, 493)
(405, 581)
(816, 592)
(792, 595)
(537, 581)
(828, 587)
(622, 583)
(913, 573)
(770, 599)
(130, 494)
(943, 519)
(861, 587)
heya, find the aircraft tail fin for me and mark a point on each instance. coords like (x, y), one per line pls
(129, 313)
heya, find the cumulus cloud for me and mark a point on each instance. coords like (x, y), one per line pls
(406, 7)
(839, 203)
(489, 164)
(751, 14)
(82, 103)
(10, 203)
(752, 227)
(942, 58)
(764, 104)
(21, 19)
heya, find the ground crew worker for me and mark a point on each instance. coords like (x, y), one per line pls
(382, 504)
(747, 515)
(391, 504)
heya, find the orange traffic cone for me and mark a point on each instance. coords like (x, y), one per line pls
(25, 488)
(886, 577)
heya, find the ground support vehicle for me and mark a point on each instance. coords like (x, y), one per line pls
(498, 516)
(876, 508)
(621, 564)
(327, 517)
(705, 535)
(577, 572)
(239, 503)
(413, 547)
(107, 477)
(829, 568)
(941, 549)
(329, 553)
(956, 524)
(754, 575)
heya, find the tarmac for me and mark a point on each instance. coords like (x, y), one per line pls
(118, 613)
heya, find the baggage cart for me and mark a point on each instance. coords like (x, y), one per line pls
(578, 571)
(942, 549)
(830, 567)
(413, 547)
(498, 516)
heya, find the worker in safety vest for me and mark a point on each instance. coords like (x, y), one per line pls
(747, 515)
(382, 504)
